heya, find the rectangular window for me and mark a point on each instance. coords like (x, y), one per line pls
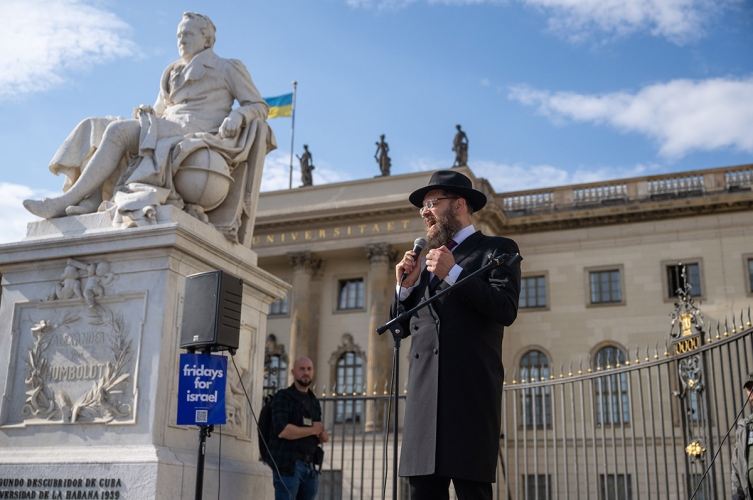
(279, 307)
(615, 487)
(331, 485)
(532, 292)
(693, 481)
(605, 286)
(538, 487)
(350, 294)
(675, 280)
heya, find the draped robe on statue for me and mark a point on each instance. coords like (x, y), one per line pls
(193, 101)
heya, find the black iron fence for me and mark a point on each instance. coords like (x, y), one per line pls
(640, 426)
(358, 457)
(629, 430)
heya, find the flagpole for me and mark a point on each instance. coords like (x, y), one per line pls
(292, 134)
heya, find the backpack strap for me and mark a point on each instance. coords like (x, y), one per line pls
(749, 451)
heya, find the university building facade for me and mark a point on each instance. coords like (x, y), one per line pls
(602, 265)
(601, 262)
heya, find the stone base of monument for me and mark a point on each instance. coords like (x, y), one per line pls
(90, 320)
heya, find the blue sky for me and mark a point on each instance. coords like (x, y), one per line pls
(550, 92)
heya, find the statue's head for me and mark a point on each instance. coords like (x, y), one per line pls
(306, 147)
(457, 127)
(195, 33)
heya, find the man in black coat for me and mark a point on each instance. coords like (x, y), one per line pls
(453, 410)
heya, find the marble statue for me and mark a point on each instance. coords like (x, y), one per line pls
(460, 147)
(306, 167)
(192, 149)
(381, 156)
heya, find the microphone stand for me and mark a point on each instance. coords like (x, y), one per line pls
(397, 335)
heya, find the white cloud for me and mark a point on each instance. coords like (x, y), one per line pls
(399, 4)
(15, 217)
(680, 21)
(682, 116)
(517, 177)
(276, 174)
(521, 177)
(43, 40)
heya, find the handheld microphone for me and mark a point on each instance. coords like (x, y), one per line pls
(418, 246)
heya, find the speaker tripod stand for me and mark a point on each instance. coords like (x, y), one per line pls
(205, 431)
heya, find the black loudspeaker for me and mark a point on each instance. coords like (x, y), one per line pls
(211, 312)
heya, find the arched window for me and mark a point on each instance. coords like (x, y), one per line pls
(536, 401)
(349, 379)
(611, 391)
(275, 366)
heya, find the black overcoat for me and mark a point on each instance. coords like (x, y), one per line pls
(453, 409)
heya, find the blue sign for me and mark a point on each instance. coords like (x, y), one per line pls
(201, 389)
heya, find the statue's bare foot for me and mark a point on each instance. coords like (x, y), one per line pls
(48, 208)
(87, 206)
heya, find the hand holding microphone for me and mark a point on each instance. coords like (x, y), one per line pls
(409, 266)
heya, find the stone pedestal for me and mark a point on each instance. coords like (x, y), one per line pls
(90, 320)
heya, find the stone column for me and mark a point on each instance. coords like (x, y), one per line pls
(381, 289)
(304, 331)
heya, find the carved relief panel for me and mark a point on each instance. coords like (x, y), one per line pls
(75, 352)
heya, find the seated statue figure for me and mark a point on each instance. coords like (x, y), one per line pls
(134, 165)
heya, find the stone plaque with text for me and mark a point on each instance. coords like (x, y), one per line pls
(74, 362)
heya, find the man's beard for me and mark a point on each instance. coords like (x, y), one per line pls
(303, 382)
(447, 225)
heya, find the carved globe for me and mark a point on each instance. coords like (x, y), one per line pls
(203, 179)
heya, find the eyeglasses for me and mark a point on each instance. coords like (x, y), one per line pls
(429, 204)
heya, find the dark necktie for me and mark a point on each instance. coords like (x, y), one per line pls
(451, 244)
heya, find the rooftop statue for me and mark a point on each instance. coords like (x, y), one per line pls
(460, 146)
(191, 149)
(307, 166)
(382, 157)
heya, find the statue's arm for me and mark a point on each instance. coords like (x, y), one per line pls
(252, 105)
(160, 105)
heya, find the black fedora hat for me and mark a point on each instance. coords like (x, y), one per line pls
(452, 181)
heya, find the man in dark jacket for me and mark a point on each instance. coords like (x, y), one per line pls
(453, 410)
(742, 461)
(297, 431)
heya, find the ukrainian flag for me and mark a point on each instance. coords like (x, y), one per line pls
(282, 105)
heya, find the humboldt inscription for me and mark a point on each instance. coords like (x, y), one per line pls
(80, 361)
(35, 488)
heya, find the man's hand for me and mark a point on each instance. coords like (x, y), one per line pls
(317, 428)
(231, 125)
(323, 437)
(410, 266)
(439, 261)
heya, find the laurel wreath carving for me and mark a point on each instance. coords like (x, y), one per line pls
(99, 401)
